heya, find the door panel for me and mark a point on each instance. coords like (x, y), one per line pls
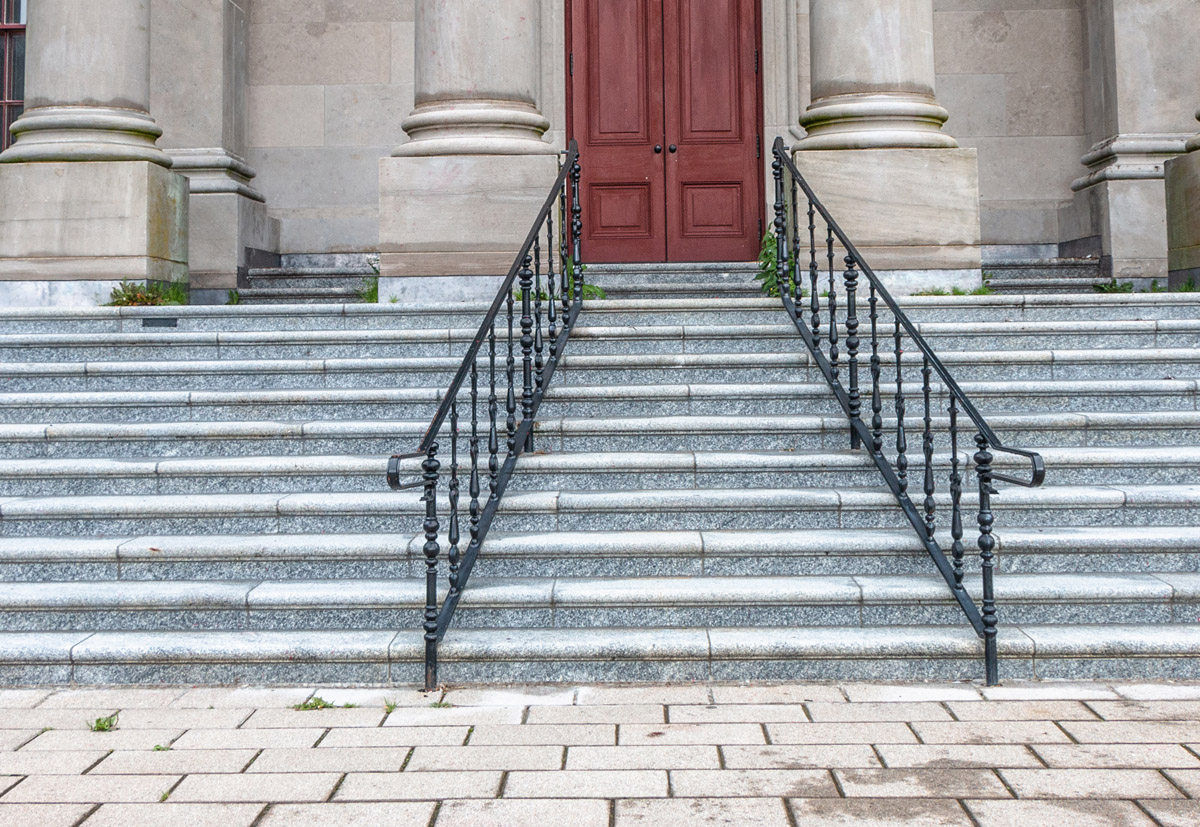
(617, 109)
(712, 181)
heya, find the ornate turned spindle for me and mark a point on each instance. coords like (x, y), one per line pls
(853, 395)
(473, 483)
(453, 533)
(539, 345)
(956, 480)
(780, 227)
(564, 268)
(814, 299)
(987, 543)
(493, 418)
(576, 231)
(797, 281)
(901, 439)
(552, 288)
(927, 449)
(833, 327)
(510, 365)
(526, 278)
(876, 398)
(430, 466)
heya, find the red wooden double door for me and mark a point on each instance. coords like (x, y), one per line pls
(664, 101)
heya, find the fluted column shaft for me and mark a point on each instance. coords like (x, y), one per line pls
(87, 84)
(873, 76)
(477, 75)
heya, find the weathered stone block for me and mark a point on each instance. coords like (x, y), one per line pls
(1183, 218)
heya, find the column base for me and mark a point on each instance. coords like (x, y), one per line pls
(912, 211)
(1124, 222)
(462, 216)
(228, 235)
(1183, 218)
(90, 223)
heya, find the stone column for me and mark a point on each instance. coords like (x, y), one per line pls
(86, 197)
(1139, 99)
(875, 152)
(1183, 214)
(458, 198)
(872, 76)
(198, 65)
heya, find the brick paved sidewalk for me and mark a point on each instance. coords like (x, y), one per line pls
(685, 754)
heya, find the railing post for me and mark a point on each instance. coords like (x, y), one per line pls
(853, 395)
(576, 231)
(430, 467)
(525, 275)
(780, 226)
(987, 543)
(956, 480)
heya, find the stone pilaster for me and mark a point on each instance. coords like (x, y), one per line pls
(1139, 99)
(1183, 214)
(875, 152)
(86, 196)
(458, 197)
(198, 61)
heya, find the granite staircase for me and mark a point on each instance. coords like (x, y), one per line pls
(197, 495)
(304, 279)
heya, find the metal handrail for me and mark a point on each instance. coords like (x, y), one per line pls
(789, 281)
(523, 391)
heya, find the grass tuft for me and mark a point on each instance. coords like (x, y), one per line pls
(104, 724)
(315, 702)
(150, 294)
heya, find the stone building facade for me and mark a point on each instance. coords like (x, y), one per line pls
(188, 140)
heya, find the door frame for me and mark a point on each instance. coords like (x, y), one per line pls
(759, 126)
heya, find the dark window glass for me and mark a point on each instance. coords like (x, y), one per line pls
(16, 88)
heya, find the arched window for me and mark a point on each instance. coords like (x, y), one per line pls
(12, 64)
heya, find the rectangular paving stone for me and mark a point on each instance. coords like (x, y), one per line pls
(1048, 691)
(391, 814)
(170, 814)
(893, 693)
(788, 693)
(417, 786)
(672, 694)
(1147, 710)
(610, 714)
(363, 697)
(32, 762)
(42, 815)
(685, 812)
(95, 789)
(677, 757)
(1133, 732)
(247, 738)
(918, 783)
(984, 756)
(1187, 780)
(1022, 711)
(520, 696)
(385, 737)
(587, 784)
(174, 761)
(280, 697)
(1158, 691)
(799, 756)
(22, 698)
(455, 716)
(533, 734)
(1173, 813)
(737, 713)
(717, 734)
(287, 718)
(119, 698)
(841, 733)
(508, 812)
(55, 718)
(487, 758)
(878, 812)
(183, 718)
(330, 760)
(990, 732)
(266, 787)
(11, 739)
(1100, 756)
(123, 739)
(864, 712)
(1089, 783)
(757, 783)
(1074, 813)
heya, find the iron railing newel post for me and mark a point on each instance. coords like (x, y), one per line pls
(510, 371)
(526, 280)
(833, 323)
(780, 226)
(987, 544)
(430, 468)
(851, 281)
(452, 535)
(539, 345)
(876, 398)
(576, 231)
(956, 481)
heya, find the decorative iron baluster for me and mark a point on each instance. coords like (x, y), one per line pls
(551, 286)
(430, 467)
(780, 232)
(452, 534)
(876, 398)
(956, 480)
(493, 415)
(565, 271)
(576, 232)
(526, 279)
(983, 468)
(473, 483)
(539, 364)
(814, 300)
(794, 270)
(833, 327)
(901, 439)
(510, 364)
(852, 395)
(927, 450)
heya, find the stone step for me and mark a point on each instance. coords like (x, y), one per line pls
(349, 404)
(585, 510)
(300, 295)
(572, 471)
(608, 654)
(305, 279)
(1025, 286)
(580, 602)
(586, 339)
(558, 435)
(750, 552)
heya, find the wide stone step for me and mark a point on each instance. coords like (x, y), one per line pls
(578, 602)
(585, 510)
(306, 278)
(621, 654)
(601, 469)
(634, 553)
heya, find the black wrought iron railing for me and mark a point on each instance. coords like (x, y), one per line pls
(535, 309)
(808, 272)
